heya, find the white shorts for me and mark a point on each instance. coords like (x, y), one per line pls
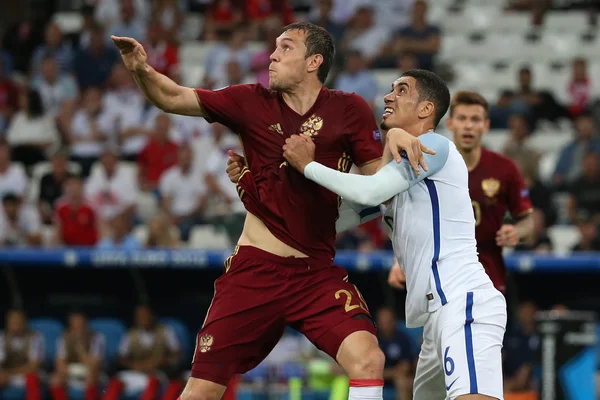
(462, 348)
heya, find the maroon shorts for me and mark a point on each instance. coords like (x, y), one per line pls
(258, 295)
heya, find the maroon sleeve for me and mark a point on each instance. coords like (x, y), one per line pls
(365, 143)
(519, 203)
(227, 106)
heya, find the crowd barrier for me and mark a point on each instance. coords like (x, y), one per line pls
(213, 259)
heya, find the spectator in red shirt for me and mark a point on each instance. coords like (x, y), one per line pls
(163, 55)
(579, 88)
(223, 15)
(260, 12)
(75, 220)
(9, 98)
(159, 154)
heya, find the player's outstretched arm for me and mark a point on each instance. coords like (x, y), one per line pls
(157, 88)
(372, 190)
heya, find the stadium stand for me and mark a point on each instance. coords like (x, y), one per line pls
(485, 46)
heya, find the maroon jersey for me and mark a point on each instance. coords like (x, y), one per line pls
(297, 211)
(496, 186)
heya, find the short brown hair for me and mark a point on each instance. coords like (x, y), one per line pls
(318, 41)
(469, 98)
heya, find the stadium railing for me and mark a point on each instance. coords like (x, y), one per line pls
(213, 259)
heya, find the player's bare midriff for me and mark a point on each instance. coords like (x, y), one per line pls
(256, 234)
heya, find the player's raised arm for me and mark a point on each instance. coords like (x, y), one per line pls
(371, 190)
(157, 88)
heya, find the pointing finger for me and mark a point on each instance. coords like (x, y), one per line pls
(427, 150)
(395, 153)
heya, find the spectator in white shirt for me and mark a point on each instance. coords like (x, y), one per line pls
(55, 46)
(112, 188)
(91, 127)
(21, 354)
(149, 353)
(183, 193)
(356, 78)
(235, 49)
(161, 232)
(364, 35)
(79, 355)
(32, 131)
(227, 209)
(108, 12)
(55, 87)
(126, 105)
(129, 25)
(169, 13)
(12, 176)
(20, 224)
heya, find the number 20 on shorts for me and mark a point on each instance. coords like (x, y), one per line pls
(349, 306)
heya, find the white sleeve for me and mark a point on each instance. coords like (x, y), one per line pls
(32, 220)
(14, 128)
(213, 163)
(92, 185)
(21, 184)
(172, 341)
(352, 215)
(389, 181)
(51, 133)
(60, 348)
(124, 346)
(97, 346)
(129, 192)
(165, 186)
(37, 348)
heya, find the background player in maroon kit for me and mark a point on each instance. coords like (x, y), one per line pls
(282, 272)
(495, 186)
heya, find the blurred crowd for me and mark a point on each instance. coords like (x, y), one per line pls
(102, 359)
(84, 159)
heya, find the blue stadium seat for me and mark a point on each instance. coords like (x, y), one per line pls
(183, 334)
(12, 393)
(51, 329)
(113, 330)
(598, 345)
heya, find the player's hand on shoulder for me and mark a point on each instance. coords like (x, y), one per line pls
(396, 277)
(235, 165)
(507, 236)
(398, 140)
(133, 53)
(299, 151)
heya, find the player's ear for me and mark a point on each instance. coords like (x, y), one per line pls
(315, 62)
(426, 109)
(487, 125)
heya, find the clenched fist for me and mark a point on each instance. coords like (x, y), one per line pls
(133, 53)
(299, 151)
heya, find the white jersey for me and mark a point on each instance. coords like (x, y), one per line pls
(434, 234)
(431, 218)
(434, 239)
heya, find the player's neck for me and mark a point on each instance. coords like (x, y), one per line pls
(302, 98)
(471, 158)
(419, 129)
